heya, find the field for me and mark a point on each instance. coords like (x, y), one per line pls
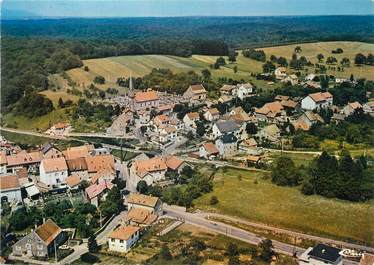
(113, 67)
(286, 207)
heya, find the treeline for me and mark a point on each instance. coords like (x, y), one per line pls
(344, 178)
(362, 59)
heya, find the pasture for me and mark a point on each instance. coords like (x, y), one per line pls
(255, 198)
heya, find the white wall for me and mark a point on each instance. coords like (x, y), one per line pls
(122, 245)
(13, 195)
(53, 178)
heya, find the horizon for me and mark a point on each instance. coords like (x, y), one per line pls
(21, 9)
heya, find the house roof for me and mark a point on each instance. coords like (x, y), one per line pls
(227, 126)
(228, 138)
(225, 98)
(168, 129)
(272, 130)
(300, 124)
(78, 151)
(141, 216)
(227, 88)
(143, 167)
(141, 199)
(146, 96)
(24, 158)
(77, 164)
(289, 103)
(166, 107)
(54, 164)
(96, 189)
(270, 109)
(48, 231)
(193, 115)
(213, 111)
(314, 117)
(210, 148)
(251, 158)
(100, 163)
(320, 96)
(3, 159)
(197, 89)
(124, 232)
(61, 125)
(367, 259)
(173, 162)
(249, 142)
(246, 85)
(8, 182)
(355, 105)
(46, 147)
(73, 180)
(325, 253)
(160, 119)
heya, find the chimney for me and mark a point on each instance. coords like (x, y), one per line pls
(43, 220)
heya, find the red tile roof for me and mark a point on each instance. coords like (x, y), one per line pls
(9, 182)
(146, 96)
(48, 231)
(124, 232)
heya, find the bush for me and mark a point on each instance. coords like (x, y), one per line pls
(89, 258)
(99, 80)
(213, 200)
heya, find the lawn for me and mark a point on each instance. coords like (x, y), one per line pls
(298, 159)
(286, 207)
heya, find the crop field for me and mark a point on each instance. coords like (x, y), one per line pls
(138, 65)
(255, 198)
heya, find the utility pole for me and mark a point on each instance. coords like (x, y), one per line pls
(54, 243)
(121, 152)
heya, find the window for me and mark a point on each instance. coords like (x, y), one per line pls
(18, 247)
(28, 246)
(40, 246)
(121, 241)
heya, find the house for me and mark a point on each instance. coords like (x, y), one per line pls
(160, 120)
(249, 146)
(53, 171)
(269, 111)
(312, 84)
(244, 90)
(3, 162)
(369, 108)
(306, 120)
(270, 133)
(100, 165)
(350, 108)
(208, 150)
(140, 217)
(222, 127)
(78, 151)
(280, 73)
(173, 163)
(10, 189)
(225, 99)
(317, 101)
(150, 170)
(60, 128)
(288, 104)
(50, 151)
(190, 119)
(167, 134)
(195, 93)
(239, 115)
(141, 201)
(321, 254)
(177, 123)
(166, 109)
(31, 161)
(281, 98)
(78, 166)
(96, 193)
(73, 182)
(123, 238)
(367, 259)
(228, 90)
(211, 114)
(337, 117)
(227, 145)
(293, 79)
(146, 100)
(40, 242)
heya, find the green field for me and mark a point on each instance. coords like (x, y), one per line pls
(113, 67)
(286, 207)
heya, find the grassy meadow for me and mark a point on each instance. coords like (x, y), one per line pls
(255, 198)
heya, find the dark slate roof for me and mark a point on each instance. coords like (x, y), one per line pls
(325, 253)
(227, 126)
(46, 147)
(229, 138)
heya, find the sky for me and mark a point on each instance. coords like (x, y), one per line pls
(167, 8)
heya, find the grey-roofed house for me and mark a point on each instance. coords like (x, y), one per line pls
(50, 151)
(227, 145)
(321, 254)
(223, 127)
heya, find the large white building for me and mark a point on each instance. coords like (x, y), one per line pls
(53, 171)
(146, 100)
(10, 188)
(317, 101)
(123, 238)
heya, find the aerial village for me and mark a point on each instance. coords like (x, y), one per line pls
(175, 134)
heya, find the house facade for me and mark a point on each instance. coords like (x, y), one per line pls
(10, 188)
(123, 238)
(196, 93)
(211, 114)
(146, 100)
(244, 90)
(227, 145)
(190, 119)
(141, 201)
(317, 101)
(53, 171)
(208, 150)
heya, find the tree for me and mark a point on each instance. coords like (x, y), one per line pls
(61, 103)
(99, 79)
(298, 49)
(142, 187)
(92, 244)
(320, 57)
(268, 67)
(113, 202)
(220, 61)
(232, 56)
(213, 200)
(251, 128)
(266, 249)
(273, 58)
(206, 74)
(370, 59)
(345, 62)
(235, 69)
(360, 59)
(198, 244)
(282, 61)
(284, 172)
(165, 252)
(86, 68)
(200, 128)
(331, 60)
(232, 250)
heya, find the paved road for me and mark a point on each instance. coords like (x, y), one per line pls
(78, 252)
(102, 237)
(230, 231)
(339, 243)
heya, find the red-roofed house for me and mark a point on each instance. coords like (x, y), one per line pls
(147, 99)
(123, 238)
(97, 192)
(195, 92)
(350, 108)
(53, 171)
(10, 189)
(317, 101)
(208, 150)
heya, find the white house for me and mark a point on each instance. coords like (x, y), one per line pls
(141, 201)
(211, 114)
(350, 108)
(280, 73)
(123, 238)
(190, 120)
(227, 145)
(208, 150)
(167, 134)
(321, 255)
(53, 171)
(10, 188)
(3, 162)
(195, 92)
(244, 90)
(317, 101)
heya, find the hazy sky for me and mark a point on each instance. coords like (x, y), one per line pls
(131, 8)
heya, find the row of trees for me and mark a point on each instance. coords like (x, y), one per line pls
(258, 55)
(362, 59)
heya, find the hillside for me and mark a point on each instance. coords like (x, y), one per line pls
(138, 65)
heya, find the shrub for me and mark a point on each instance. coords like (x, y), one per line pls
(213, 200)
